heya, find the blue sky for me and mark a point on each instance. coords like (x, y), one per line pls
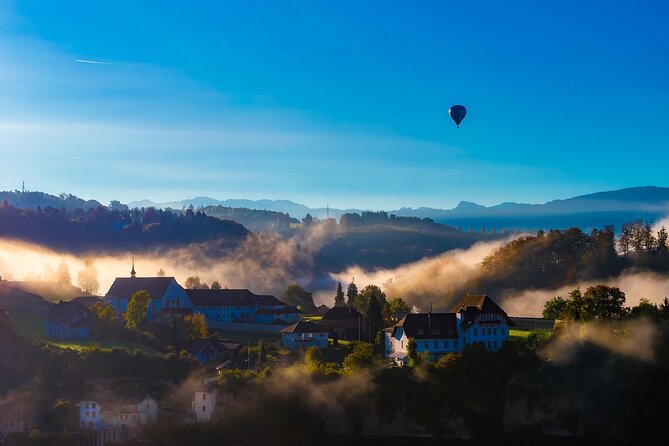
(334, 102)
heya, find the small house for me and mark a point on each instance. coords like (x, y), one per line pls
(69, 320)
(304, 334)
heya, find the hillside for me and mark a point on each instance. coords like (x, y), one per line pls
(33, 200)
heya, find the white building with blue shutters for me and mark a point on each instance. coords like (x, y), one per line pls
(476, 319)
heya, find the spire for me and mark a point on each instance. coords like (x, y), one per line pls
(132, 271)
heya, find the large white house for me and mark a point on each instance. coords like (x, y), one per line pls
(475, 319)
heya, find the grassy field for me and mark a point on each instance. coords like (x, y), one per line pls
(91, 344)
(312, 318)
(247, 337)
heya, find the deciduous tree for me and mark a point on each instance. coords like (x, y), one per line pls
(135, 314)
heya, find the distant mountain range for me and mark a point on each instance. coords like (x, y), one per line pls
(586, 211)
(595, 210)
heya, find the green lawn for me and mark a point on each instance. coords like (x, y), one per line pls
(312, 318)
(86, 344)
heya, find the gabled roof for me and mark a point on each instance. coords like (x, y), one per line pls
(429, 325)
(266, 299)
(66, 312)
(472, 305)
(223, 297)
(304, 327)
(341, 314)
(125, 287)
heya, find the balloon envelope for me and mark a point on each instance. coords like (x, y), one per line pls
(457, 113)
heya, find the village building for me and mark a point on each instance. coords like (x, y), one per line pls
(69, 320)
(241, 305)
(204, 402)
(476, 319)
(304, 334)
(206, 350)
(343, 323)
(167, 296)
(104, 412)
(18, 413)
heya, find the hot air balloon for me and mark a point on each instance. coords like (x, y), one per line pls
(457, 113)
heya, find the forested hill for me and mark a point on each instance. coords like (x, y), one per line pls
(553, 259)
(78, 230)
(33, 200)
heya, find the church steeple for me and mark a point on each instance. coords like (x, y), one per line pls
(132, 271)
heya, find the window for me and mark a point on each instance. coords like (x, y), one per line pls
(420, 331)
(86, 405)
(87, 414)
(436, 331)
(204, 396)
(434, 344)
(475, 332)
(204, 408)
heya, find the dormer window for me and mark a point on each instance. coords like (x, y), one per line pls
(420, 331)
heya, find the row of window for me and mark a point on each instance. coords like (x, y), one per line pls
(489, 331)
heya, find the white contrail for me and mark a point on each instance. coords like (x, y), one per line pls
(97, 62)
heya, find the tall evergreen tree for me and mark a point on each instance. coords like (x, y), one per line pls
(351, 294)
(339, 297)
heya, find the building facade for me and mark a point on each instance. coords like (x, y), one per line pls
(304, 334)
(476, 319)
(69, 320)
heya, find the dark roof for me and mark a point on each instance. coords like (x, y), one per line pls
(265, 299)
(341, 314)
(287, 310)
(429, 325)
(125, 287)
(224, 297)
(66, 312)
(304, 327)
(87, 301)
(474, 304)
(197, 345)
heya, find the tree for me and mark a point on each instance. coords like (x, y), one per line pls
(412, 353)
(362, 302)
(646, 309)
(193, 282)
(196, 327)
(664, 309)
(374, 318)
(307, 220)
(160, 273)
(62, 275)
(135, 314)
(351, 294)
(603, 302)
(361, 356)
(103, 311)
(555, 308)
(215, 285)
(339, 297)
(204, 286)
(574, 307)
(299, 297)
(395, 310)
(88, 278)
